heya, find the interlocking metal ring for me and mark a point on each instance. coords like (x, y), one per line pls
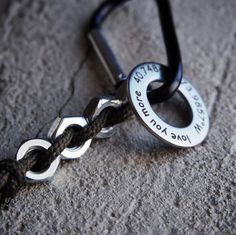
(57, 129)
(139, 80)
(37, 144)
(95, 107)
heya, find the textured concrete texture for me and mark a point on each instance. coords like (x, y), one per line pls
(131, 183)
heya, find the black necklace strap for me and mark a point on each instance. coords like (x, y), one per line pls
(175, 73)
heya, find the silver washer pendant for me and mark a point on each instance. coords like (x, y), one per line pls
(188, 136)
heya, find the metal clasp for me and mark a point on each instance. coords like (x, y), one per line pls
(175, 69)
(136, 90)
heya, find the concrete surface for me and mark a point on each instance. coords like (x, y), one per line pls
(131, 183)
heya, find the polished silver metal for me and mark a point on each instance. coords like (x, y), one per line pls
(107, 57)
(35, 144)
(95, 107)
(57, 129)
(191, 135)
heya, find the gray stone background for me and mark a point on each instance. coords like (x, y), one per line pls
(130, 183)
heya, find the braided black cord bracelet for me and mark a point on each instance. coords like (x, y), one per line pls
(12, 172)
(70, 137)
